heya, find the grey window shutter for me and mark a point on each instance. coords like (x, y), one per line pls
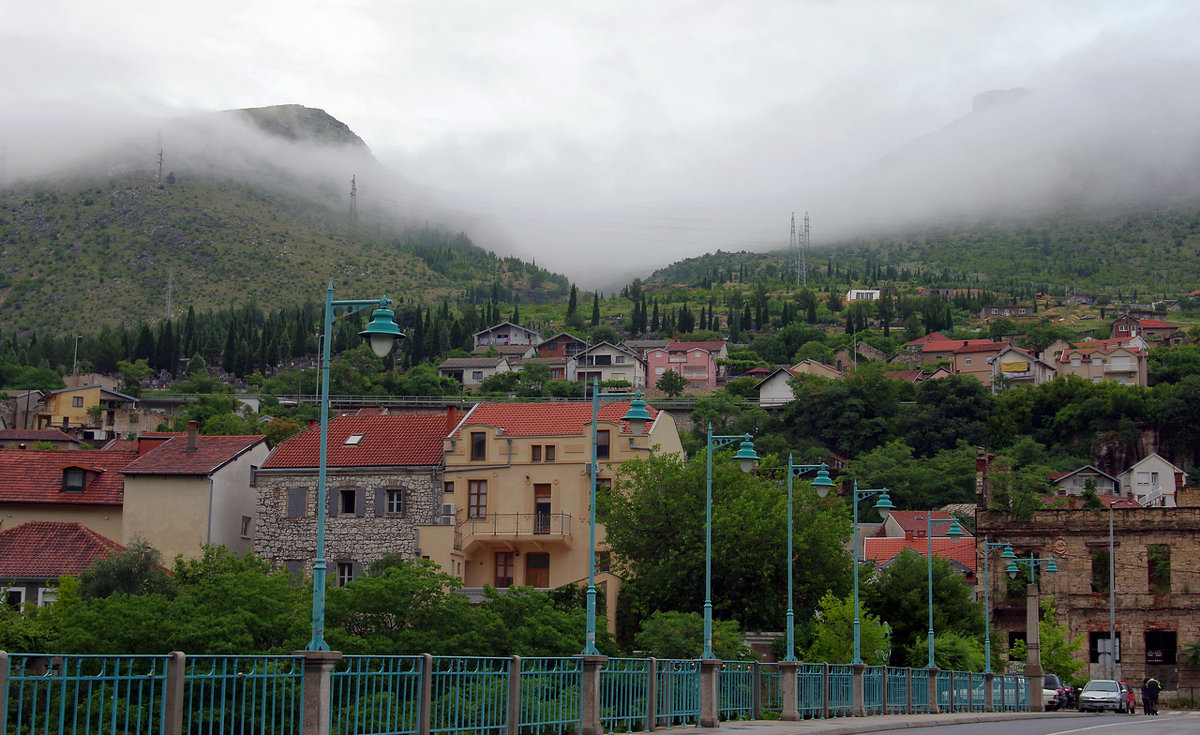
(297, 499)
(296, 568)
(360, 502)
(380, 502)
(332, 500)
(357, 569)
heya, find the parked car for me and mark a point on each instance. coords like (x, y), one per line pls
(1102, 694)
(1053, 696)
(1130, 698)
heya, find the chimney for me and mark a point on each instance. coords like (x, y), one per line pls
(193, 435)
(451, 418)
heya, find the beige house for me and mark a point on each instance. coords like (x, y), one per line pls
(1123, 364)
(1152, 481)
(516, 506)
(64, 485)
(187, 490)
(1012, 366)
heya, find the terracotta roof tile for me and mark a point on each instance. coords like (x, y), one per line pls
(392, 440)
(883, 550)
(914, 521)
(34, 476)
(173, 457)
(688, 346)
(34, 435)
(1156, 324)
(50, 549)
(546, 419)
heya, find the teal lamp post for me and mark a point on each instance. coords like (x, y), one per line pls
(988, 548)
(1033, 647)
(746, 457)
(637, 417)
(954, 533)
(884, 505)
(382, 333)
(822, 483)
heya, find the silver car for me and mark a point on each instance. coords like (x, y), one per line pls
(1102, 694)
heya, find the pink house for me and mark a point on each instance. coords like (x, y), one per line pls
(695, 361)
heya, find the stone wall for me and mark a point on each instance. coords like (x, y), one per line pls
(360, 539)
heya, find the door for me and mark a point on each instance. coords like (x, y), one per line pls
(541, 508)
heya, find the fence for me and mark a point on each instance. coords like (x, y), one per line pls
(323, 692)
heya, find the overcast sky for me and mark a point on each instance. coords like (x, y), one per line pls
(601, 137)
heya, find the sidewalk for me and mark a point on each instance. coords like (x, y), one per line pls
(852, 725)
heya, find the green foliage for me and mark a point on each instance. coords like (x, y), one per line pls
(833, 641)
(916, 482)
(138, 570)
(674, 634)
(951, 651)
(671, 383)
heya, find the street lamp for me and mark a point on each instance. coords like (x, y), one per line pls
(75, 355)
(637, 417)
(988, 548)
(1033, 645)
(822, 483)
(746, 457)
(884, 506)
(382, 333)
(955, 533)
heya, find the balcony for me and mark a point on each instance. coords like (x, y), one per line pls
(507, 529)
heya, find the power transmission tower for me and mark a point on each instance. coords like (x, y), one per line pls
(793, 262)
(160, 158)
(353, 204)
(805, 252)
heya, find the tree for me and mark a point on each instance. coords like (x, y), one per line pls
(137, 570)
(596, 309)
(671, 383)
(833, 640)
(1060, 652)
(132, 375)
(674, 634)
(947, 411)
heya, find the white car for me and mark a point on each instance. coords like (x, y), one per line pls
(1102, 694)
(1052, 697)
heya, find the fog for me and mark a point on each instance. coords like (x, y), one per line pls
(605, 141)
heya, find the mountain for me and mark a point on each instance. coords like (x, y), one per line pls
(248, 206)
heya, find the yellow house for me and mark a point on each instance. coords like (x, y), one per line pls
(68, 408)
(516, 503)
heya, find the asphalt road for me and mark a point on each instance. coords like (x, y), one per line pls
(1050, 723)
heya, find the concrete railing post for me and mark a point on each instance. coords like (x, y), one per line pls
(710, 693)
(933, 691)
(425, 711)
(318, 690)
(857, 691)
(589, 697)
(173, 704)
(885, 685)
(825, 691)
(756, 705)
(651, 694)
(514, 696)
(908, 705)
(789, 674)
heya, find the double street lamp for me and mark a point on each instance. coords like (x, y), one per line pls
(1033, 645)
(637, 417)
(746, 457)
(382, 333)
(954, 533)
(988, 548)
(822, 483)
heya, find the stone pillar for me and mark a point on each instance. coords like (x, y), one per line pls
(825, 691)
(989, 701)
(789, 671)
(1033, 649)
(710, 702)
(425, 710)
(318, 690)
(589, 697)
(756, 705)
(908, 705)
(173, 703)
(651, 694)
(953, 691)
(933, 694)
(883, 691)
(857, 694)
(514, 696)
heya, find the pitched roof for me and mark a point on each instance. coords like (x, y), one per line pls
(34, 435)
(173, 457)
(988, 346)
(883, 550)
(36, 476)
(931, 337)
(1155, 324)
(392, 440)
(913, 521)
(689, 346)
(50, 549)
(909, 376)
(494, 327)
(94, 385)
(955, 345)
(470, 362)
(545, 419)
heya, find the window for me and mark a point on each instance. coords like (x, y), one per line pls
(535, 454)
(477, 499)
(549, 452)
(602, 444)
(476, 375)
(346, 500)
(245, 526)
(1099, 646)
(395, 502)
(1100, 570)
(504, 569)
(353, 440)
(1013, 637)
(77, 402)
(1158, 568)
(47, 596)
(540, 452)
(346, 572)
(968, 360)
(619, 359)
(1160, 647)
(14, 597)
(447, 488)
(659, 370)
(478, 446)
(73, 480)
(297, 500)
(537, 569)
(603, 561)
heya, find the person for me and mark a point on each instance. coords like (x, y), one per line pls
(1145, 696)
(1153, 688)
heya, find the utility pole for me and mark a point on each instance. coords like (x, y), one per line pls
(793, 251)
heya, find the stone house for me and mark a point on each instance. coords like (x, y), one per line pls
(384, 480)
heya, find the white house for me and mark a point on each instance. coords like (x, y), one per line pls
(1152, 481)
(862, 294)
(507, 333)
(607, 361)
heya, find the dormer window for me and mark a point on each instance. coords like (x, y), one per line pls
(74, 479)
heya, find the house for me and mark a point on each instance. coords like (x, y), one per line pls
(518, 486)
(917, 376)
(471, 371)
(1153, 331)
(695, 361)
(560, 368)
(27, 438)
(91, 411)
(185, 491)
(934, 351)
(34, 554)
(561, 345)
(775, 390)
(606, 362)
(998, 311)
(1076, 481)
(1012, 366)
(643, 346)
(20, 407)
(907, 530)
(1153, 481)
(1123, 364)
(384, 482)
(515, 354)
(862, 294)
(507, 333)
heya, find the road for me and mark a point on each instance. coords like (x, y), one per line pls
(1089, 724)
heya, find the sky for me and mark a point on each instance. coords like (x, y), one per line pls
(600, 139)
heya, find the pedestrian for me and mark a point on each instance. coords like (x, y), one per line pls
(1153, 688)
(1145, 696)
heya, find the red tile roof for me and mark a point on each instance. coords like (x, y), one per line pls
(913, 521)
(909, 376)
(688, 346)
(955, 345)
(173, 457)
(883, 550)
(931, 337)
(50, 549)
(393, 440)
(1155, 324)
(1108, 344)
(546, 419)
(34, 435)
(987, 346)
(34, 476)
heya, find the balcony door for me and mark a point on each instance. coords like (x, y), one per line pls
(541, 508)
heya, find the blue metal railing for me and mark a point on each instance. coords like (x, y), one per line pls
(624, 695)
(810, 691)
(376, 694)
(874, 680)
(84, 695)
(897, 690)
(260, 694)
(770, 693)
(469, 694)
(841, 690)
(919, 683)
(678, 692)
(736, 693)
(943, 691)
(550, 690)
